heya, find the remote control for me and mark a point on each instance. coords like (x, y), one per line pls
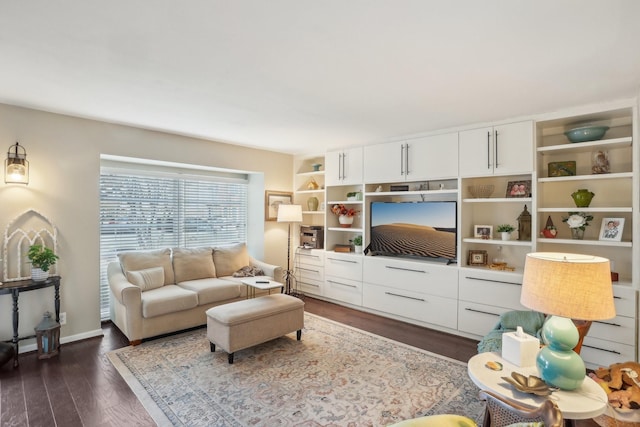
(262, 281)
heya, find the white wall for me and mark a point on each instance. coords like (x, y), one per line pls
(64, 157)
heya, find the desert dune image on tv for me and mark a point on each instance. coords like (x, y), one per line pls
(414, 229)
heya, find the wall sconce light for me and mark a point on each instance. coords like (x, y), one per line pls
(16, 167)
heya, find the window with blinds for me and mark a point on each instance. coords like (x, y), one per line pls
(141, 211)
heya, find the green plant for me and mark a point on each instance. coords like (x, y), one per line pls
(352, 194)
(505, 228)
(357, 240)
(41, 257)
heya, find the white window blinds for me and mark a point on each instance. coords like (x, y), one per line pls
(152, 211)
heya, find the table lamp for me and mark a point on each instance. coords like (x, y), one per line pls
(290, 214)
(565, 286)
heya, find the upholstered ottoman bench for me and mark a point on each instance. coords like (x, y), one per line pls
(243, 324)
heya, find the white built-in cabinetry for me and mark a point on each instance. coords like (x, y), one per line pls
(309, 271)
(501, 149)
(416, 159)
(467, 299)
(344, 167)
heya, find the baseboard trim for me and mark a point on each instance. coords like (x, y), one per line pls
(64, 340)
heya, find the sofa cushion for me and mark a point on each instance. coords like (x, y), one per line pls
(147, 279)
(213, 290)
(139, 260)
(248, 271)
(193, 263)
(167, 299)
(229, 259)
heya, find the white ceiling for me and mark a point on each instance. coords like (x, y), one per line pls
(304, 76)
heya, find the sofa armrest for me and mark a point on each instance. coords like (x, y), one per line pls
(126, 303)
(271, 270)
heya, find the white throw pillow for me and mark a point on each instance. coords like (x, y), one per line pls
(147, 279)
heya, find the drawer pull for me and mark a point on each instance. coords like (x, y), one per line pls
(602, 349)
(406, 269)
(310, 256)
(405, 296)
(615, 297)
(343, 260)
(493, 281)
(310, 284)
(308, 269)
(607, 323)
(482, 312)
(343, 284)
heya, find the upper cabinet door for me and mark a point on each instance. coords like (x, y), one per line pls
(431, 157)
(476, 152)
(343, 167)
(384, 162)
(505, 149)
(513, 148)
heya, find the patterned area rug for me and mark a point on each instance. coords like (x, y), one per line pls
(336, 376)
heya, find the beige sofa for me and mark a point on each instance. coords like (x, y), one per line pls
(167, 290)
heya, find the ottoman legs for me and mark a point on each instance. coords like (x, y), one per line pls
(212, 346)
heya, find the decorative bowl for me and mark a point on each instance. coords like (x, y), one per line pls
(530, 384)
(586, 133)
(316, 166)
(481, 191)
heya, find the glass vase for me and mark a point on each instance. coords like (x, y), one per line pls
(577, 234)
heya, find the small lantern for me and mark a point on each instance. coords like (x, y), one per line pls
(524, 225)
(16, 166)
(47, 337)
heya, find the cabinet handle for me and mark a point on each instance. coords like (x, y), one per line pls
(493, 281)
(482, 312)
(607, 323)
(495, 154)
(601, 349)
(615, 297)
(308, 269)
(344, 169)
(340, 165)
(402, 159)
(343, 284)
(406, 157)
(405, 296)
(310, 256)
(405, 269)
(342, 260)
(310, 284)
(488, 150)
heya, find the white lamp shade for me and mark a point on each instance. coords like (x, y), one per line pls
(289, 213)
(575, 286)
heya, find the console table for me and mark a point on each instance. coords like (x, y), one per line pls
(15, 288)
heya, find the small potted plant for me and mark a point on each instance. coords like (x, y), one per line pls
(505, 231)
(41, 259)
(357, 244)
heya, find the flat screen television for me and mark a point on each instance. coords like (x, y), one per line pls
(414, 229)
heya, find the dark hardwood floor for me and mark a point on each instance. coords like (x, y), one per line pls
(80, 387)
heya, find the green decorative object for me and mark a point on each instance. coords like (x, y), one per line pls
(582, 197)
(312, 203)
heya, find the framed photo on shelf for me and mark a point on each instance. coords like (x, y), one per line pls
(273, 199)
(611, 229)
(518, 189)
(484, 232)
(477, 257)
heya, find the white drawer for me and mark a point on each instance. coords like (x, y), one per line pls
(596, 352)
(343, 265)
(310, 257)
(412, 305)
(625, 300)
(484, 291)
(349, 291)
(310, 287)
(619, 329)
(478, 319)
(414, 276)
(309, 272)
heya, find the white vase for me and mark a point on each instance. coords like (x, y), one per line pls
(345, 221)
(358, 249)
(37, 275)
(506, 235)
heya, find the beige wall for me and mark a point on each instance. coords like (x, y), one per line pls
(64, 156)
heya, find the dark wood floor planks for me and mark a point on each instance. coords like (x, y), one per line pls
(80, 387)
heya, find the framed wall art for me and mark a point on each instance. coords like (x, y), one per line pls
(484, 232)
(518, 189)
(477, 257)
(273, 199)
(611, 229)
